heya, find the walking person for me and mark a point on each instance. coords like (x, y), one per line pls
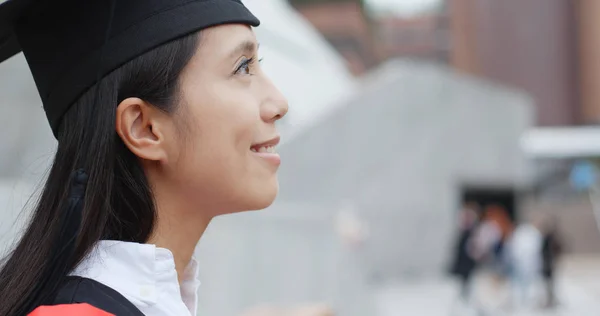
(525, 248)
(464, 263)
(552, 249)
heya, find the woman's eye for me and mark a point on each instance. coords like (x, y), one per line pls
(245, 66)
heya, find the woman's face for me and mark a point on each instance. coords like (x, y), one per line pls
(226, 159)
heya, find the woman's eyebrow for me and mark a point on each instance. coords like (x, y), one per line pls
(246, 47)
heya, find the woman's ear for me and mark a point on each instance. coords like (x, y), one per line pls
(139, 125)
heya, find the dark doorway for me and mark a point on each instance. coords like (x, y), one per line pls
(487, 196)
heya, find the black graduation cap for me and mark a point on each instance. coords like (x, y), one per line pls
(69, 44)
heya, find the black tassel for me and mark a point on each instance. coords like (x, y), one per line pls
(61, 256)
(71, 219)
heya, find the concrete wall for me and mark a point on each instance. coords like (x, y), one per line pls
(399, 151)
(287, 255)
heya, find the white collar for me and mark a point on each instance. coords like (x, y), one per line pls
(145, 275)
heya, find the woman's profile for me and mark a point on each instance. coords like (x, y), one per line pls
(164, 120)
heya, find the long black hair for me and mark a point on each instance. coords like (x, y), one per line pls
(118, 203)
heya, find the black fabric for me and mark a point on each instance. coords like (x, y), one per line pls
(83, 290)
(63, 39)
(551, 249)
(463, 264)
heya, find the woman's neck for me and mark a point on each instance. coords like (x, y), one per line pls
(181, 239)
(178, 228)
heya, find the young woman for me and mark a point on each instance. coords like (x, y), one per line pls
(164, 120)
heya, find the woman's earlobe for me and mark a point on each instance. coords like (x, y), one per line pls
(136, 125)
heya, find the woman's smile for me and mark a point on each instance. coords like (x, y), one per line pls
(267, 151)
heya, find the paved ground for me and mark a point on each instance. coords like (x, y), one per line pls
(578, 290)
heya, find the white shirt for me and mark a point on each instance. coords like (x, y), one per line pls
(525, 248)
(145, 275)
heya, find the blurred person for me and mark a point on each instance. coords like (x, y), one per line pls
(552, 248)
(525, 248)
(486, 237)
(464, 263)
(489, 248)
(164, 120)
(498, 257)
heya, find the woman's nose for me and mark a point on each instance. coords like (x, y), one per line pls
(275, 106)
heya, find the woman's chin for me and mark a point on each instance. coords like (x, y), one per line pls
(263, 198)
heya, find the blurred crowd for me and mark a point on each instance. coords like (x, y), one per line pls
(519, 256)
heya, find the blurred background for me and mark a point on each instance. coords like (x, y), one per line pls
(439, 158)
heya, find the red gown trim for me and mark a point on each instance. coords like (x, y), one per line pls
(69, 310)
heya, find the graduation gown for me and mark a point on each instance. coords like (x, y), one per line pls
(124, 278)
(86, 297)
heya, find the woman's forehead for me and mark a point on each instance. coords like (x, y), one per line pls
(229, 40)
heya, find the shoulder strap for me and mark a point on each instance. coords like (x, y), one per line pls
(84, 290)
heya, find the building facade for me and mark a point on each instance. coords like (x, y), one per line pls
(530, 45)
(547, 48)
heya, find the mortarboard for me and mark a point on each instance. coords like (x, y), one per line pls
(70, 44)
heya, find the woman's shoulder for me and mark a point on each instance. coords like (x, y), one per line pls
(94, 297)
